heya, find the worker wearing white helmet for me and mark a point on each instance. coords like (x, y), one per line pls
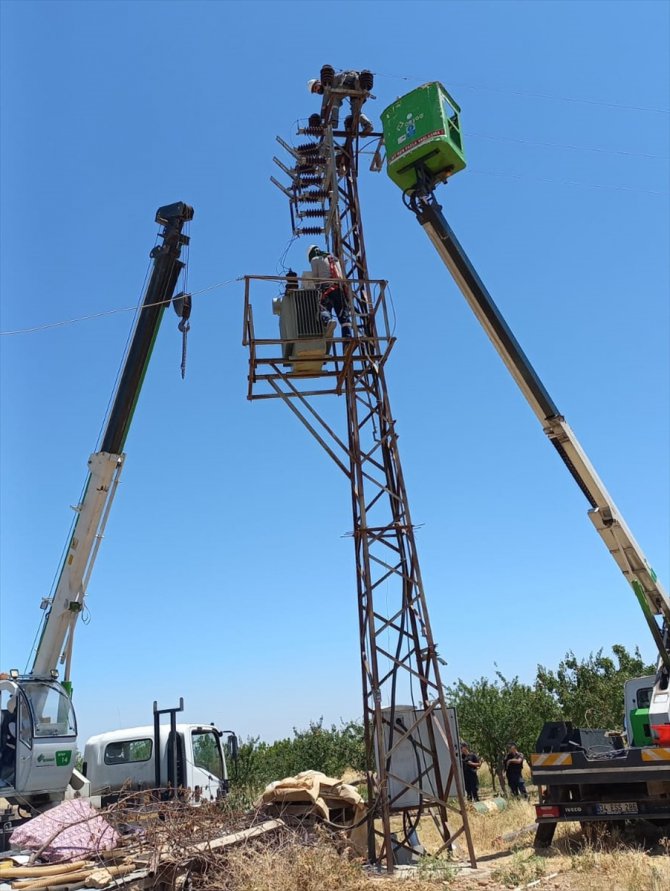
(327, 271)
(348, 80)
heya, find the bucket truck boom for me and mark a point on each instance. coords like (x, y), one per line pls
(584, 775)
(425, 147)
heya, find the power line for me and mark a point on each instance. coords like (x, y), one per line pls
(535, 95)
(108, 312)
(559, 98)
(503, 175)
(565, 182)
(565, 145)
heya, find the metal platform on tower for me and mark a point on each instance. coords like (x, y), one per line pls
(292, 357)
(413, 767)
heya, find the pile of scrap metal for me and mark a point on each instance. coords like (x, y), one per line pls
(313, 795)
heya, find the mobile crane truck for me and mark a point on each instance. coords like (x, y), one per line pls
(577, 780)
(38, 728)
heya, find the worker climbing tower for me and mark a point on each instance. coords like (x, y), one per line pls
(410, 733)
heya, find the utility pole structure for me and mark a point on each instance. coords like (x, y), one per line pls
(413, 762)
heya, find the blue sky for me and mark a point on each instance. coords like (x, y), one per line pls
(226, 575)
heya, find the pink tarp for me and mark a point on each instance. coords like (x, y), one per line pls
(69, 831)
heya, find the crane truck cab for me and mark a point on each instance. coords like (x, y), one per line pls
(38, 735)
(190, 758)
(638, 694)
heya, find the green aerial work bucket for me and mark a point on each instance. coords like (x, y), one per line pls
(423, 127)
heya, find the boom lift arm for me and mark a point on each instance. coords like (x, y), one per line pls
(603, 513)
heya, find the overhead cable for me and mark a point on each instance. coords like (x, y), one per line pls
(536, 95)
(565, 145)
(109, 312)
(566, 182)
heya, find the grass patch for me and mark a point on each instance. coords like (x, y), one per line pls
(521, 870)
(294, 866)
(436, 869)
(623, 870)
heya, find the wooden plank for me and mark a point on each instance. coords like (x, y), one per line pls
(225, 840)
(18, 872)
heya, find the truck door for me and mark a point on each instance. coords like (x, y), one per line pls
(208, 767)
(637, 697)
(9, 715)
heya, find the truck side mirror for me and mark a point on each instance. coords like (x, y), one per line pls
(233, 747)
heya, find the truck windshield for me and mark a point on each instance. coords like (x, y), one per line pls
(207, 752)
(51, 709)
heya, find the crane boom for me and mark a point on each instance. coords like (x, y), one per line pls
(603, 512)
(64, 607)
(36, 704)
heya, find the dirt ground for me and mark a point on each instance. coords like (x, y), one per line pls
(631, 861)
(635, 859)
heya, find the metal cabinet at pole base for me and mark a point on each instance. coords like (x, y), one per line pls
(411, 774)
(423, 128)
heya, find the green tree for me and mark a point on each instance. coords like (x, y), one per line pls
(329, 749)
(493, 713)
(589, 692)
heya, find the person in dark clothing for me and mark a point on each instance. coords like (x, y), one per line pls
(513, 771)
(471, 764)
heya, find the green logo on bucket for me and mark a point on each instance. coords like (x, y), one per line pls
(63, 758)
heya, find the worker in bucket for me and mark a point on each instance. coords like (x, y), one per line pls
(471, 764)
(346, 80)
(514, 771)
(327, 271)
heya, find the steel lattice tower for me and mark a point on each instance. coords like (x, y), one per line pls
(398, 653)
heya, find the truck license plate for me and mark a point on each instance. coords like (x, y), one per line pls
(617, 807)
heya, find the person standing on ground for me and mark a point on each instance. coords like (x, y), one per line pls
(327, 271)
(471, 764)
(514, 771)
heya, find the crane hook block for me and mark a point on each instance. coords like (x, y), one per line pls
(182, 304)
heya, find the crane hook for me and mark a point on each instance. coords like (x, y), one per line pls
(182, 304)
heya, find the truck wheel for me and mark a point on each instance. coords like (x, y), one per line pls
(544, 835)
